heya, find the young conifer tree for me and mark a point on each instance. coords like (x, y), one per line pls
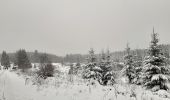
(91, 70)
(22, 60)
(5, 60)
(107, 75)
(155, 70)
(129, 69)
(46, 67)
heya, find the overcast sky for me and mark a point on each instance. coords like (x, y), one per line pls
(73, 26)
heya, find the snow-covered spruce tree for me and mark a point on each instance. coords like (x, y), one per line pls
(107, 75)
(129, 69)
(91, 70)
(155, 70)
(137, 59)
(5, 60)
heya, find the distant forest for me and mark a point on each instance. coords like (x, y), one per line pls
(79, 58)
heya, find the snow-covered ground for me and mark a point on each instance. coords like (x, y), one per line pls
(14, 87)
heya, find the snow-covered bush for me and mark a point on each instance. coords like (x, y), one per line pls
(107, 75)
(46, 70)
(46, 67)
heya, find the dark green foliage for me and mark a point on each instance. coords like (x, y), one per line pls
(22, 60)
(5, 60)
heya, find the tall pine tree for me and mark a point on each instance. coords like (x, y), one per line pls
(5, 60)
(155, 70)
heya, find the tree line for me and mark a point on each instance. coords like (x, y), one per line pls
(79, 58)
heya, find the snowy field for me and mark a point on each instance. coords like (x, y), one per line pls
(14, 86)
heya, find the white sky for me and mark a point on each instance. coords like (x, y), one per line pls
(73, 26)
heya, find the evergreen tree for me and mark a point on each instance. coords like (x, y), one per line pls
(46, 68)
(137, 59)
(5, 60)
(106, 72)
(165, 50)
(91, 69)
(101, 72)
(155, 70)
(36, 58)
(108, 57)
(129, 70)
(44, 59)
(103, 55)
(92, 57)
(22, 60)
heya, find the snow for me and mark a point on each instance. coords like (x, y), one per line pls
(158, 76)
(13, 87)
(61, 68)
(124, 80)
(163, 93)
